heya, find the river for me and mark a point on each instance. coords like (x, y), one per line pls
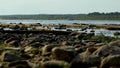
(63, 21)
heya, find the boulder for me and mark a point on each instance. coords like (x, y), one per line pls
(112, 60)
(63, 53)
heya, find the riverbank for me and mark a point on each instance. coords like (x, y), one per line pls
(39, 46)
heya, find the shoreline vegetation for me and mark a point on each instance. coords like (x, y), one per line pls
(89, 16)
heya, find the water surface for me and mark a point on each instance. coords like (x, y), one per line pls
(63, 21)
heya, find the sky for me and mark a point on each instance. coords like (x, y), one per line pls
(12, 7)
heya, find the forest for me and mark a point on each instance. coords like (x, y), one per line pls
(89, 16)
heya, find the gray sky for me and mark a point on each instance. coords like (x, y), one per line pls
(8, 7)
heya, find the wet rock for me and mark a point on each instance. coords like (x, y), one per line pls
(115, 43)
(85, 48)
(28, 48)
(90, 43)
(34, 64)
(8, 56)
(14, 43)
(30, 51)
(86, 59)
(12, 48)
(80, 35)
(19, 64)
(73, 34)
(73, 41)
(63, 53)
(112, 60)
(81, 61)
(54, 64)
(36, 45)
(99, 44)
(44, 58)
(46, 50)
(106, 50)
(8, 40)
(4, 64)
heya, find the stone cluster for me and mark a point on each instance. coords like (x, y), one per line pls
(48, 50)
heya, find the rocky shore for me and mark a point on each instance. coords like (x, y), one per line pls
(25, 46)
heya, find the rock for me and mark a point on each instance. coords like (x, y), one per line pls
(99, 44)
(106, 50)
(47, 49)
(36, 44)
(54, 64)
(85, 59)
(44, 58)
(81, 61)
(112, 60)
(30, 51)
(19, 64)
(14, 43)
(34, 64)
(90, 43)
(4, 64)
(28, 48)
(85, 49)
(7, 56)
(115, 43)
(63, 53)
(73, 41)
(80, 35)
(12, 48)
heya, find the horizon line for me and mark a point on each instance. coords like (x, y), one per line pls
(55, 13)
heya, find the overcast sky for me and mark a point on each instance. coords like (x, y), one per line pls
(8, 7)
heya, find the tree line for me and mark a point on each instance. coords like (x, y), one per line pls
(89, 16)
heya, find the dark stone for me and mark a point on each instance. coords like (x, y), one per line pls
(19, 64)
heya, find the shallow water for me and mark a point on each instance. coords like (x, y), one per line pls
(97, 31)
